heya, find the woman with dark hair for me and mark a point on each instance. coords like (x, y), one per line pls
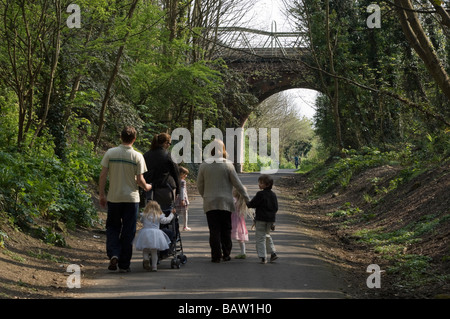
(162, 172)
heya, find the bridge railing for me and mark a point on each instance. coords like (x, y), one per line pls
(260, 43)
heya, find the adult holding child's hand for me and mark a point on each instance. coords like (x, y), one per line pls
(125, 168)
(215, 181)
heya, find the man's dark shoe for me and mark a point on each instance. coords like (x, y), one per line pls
(113, 263)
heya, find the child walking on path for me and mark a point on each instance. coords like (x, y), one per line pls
(151, 239)
(182, 201)
(239, 229)
(266, 206)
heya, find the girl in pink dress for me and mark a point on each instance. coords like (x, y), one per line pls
(239, 229)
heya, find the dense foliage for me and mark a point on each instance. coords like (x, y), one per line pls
(66, 92)
(376, 90)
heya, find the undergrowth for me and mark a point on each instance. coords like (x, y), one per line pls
(410, 270)
(37, 188)
(343, 169)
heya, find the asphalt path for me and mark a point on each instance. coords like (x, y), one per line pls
(299, 272)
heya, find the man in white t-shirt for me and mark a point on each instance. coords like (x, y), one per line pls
(125, 168)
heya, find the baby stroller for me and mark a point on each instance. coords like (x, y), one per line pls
(176, 246)
(172, 230)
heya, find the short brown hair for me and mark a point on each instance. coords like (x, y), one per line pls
(266, 180)
(128, 134)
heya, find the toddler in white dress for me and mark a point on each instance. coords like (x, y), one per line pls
(150, 238)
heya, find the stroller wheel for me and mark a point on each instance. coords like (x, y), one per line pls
(182, 258)
(175, 263)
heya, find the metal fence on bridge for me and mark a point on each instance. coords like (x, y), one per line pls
(238, 41)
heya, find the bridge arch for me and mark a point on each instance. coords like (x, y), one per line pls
(271, 62)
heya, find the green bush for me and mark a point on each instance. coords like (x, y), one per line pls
(40, 185)
(51, 237)
(346, 210)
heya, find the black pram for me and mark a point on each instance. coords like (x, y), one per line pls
(176, 246)
(173, 232)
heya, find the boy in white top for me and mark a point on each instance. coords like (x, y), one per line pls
(125, 168)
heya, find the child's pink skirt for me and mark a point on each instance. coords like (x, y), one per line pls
(239, 229)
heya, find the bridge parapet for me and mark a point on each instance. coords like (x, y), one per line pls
(235, 42)
(270, 61)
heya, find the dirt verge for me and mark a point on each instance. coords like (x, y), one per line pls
(412, 204)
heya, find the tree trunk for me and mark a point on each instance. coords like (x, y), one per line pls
(420, 42)
(54, 65)
(335, 98)
(76, 85)
(101, 121)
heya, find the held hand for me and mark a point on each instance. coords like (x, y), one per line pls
(148, 187)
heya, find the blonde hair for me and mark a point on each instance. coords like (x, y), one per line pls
(241, 205)
(183, 170)
(221, 148)
(152, 210)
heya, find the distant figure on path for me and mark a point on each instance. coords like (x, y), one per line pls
(125, 168)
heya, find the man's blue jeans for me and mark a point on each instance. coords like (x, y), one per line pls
(120, 231)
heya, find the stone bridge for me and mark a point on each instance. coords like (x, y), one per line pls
(271, 61)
